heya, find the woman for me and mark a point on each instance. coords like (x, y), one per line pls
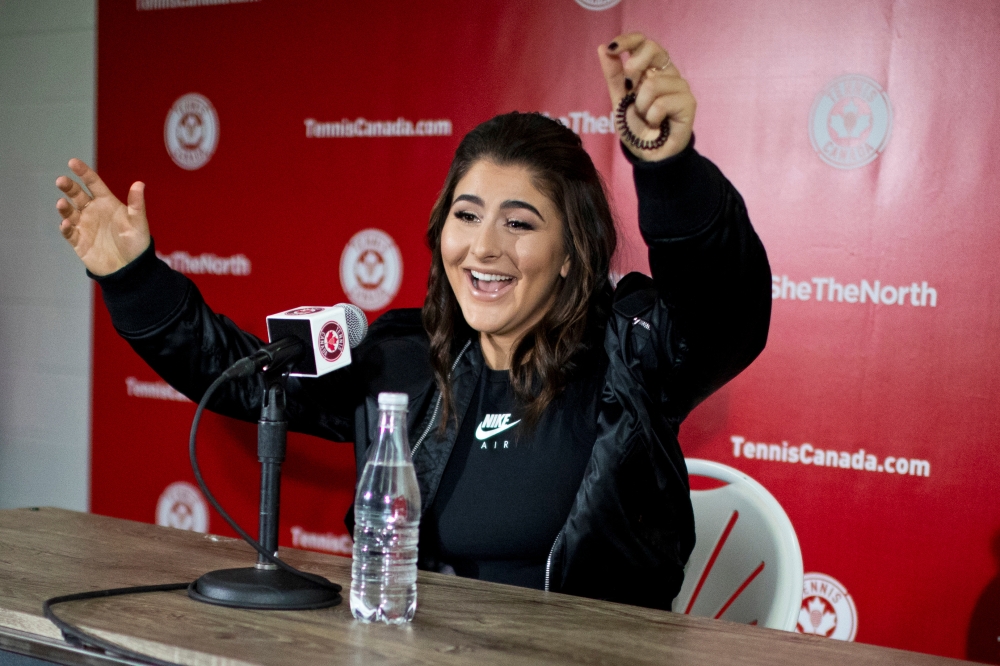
(544, 405)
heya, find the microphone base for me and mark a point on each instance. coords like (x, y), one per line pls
(262, 589)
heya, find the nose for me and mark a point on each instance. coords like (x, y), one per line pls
(486, 244)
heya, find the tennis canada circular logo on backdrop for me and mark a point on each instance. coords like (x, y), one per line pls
(850, 122)
(597, 5)
(371, 269)
(301, 312)
(827, 608)
(191, 131)
(331, 341)
(182, 506)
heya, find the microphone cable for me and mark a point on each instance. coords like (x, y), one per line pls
(82, 639)
(79, 638)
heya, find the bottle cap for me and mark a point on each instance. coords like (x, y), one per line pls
(393, 400)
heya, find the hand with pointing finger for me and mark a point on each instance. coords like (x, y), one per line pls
(105, 233)
(661, 93)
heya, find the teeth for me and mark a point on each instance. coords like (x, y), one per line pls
(489, 277)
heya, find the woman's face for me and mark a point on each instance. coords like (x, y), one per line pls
(503, 251)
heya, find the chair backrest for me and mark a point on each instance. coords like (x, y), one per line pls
(746, 566)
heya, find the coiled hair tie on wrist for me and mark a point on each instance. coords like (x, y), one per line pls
(629, 135)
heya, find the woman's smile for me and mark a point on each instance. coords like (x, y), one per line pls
(488, 286)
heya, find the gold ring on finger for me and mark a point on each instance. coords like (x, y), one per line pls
(89, 201)
(662, 67)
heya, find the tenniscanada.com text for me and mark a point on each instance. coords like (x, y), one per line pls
(360, 127)
(807, 454)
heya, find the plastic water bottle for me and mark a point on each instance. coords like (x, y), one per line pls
(386, 523)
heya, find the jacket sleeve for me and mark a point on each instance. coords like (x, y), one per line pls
(164, 318)
(710, 273)
(672, 340)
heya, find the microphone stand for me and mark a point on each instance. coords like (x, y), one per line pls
(265, 586)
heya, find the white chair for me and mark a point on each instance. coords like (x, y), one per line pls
(746, 566)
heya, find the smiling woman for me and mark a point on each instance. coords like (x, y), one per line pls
(523, 233)
(547, 400)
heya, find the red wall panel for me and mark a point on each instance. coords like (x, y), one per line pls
(911, 378)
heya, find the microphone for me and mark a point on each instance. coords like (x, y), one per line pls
(313, 340)
(326, 335)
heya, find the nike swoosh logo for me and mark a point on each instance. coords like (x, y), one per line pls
(486, 434)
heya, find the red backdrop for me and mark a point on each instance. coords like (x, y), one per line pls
(860, 133)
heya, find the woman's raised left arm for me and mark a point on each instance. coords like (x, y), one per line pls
(710, 272)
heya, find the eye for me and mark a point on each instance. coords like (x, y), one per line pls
(520, 225)
(466, 216)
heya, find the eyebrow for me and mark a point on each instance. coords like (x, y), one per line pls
(509, 203)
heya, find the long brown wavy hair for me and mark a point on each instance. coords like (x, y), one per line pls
(542, 359)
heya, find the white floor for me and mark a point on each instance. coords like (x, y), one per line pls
(47, 107)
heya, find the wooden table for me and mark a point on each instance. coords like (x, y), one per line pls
(50, 552)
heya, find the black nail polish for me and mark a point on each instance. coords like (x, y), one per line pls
(612, 46)
(628, 84)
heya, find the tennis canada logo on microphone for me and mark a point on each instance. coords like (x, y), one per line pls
(331, 341)
(191, 132)
(850, 122)
(827, 609)
(371, 269)
(182, 506)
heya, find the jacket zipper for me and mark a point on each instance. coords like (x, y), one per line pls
(548, 562)
(437, 405)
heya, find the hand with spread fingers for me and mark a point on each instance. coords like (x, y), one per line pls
(105, 233)
(637, 68)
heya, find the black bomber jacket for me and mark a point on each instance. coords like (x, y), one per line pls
(662, 345)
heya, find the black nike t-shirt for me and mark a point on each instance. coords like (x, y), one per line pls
(507, 489)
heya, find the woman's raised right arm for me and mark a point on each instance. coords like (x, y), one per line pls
(163, 316)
